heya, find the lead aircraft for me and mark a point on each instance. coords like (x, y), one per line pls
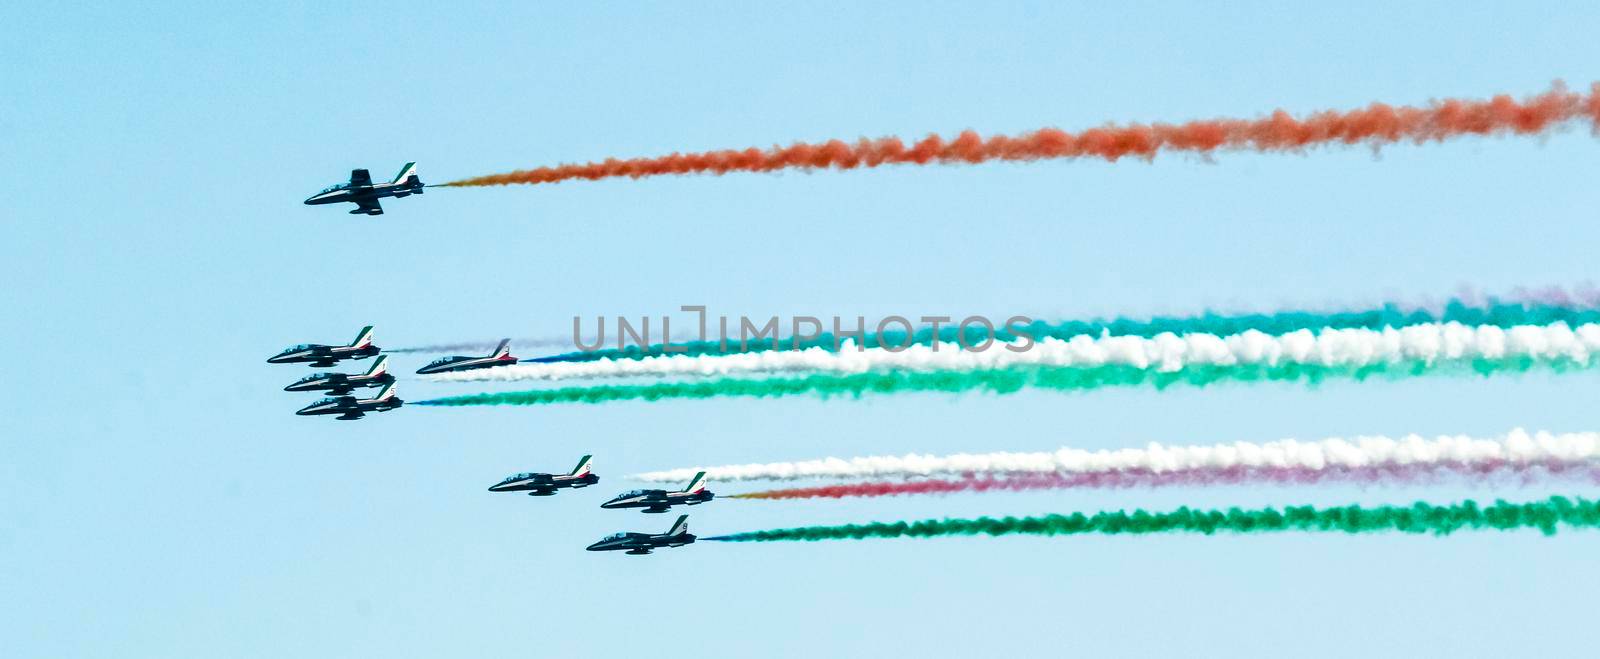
(362, 192)
(543, 485)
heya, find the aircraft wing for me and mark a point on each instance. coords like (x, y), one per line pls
(369, 206)
(360, 178)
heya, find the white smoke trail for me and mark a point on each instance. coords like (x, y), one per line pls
(1164, 352)
(1515, 448)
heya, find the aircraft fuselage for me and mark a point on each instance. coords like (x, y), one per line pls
(465, 364)
(545, 484)
(638, 544)
(658, 501)
(376, 191)
(321, 355)
(339, 384)
(349, 408)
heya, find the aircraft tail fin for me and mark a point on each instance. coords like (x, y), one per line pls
(679, 527)
(386, 393)
(406, 172)
(380, 366)
(583, 467)
(501, 350)
(363, 339)
(696, 484)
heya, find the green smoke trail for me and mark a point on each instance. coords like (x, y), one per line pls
(1001, 381)
(1497, 313)
(1420, 517)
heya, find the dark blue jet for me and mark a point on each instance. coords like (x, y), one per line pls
(659, 501)
(500, 357)
(341, 384)
(638, 544)
(319, 355)
(543, 485)
(350, 408)
(365, 195)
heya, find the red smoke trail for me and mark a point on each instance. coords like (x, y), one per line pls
(1394, 474)
(1377, 124)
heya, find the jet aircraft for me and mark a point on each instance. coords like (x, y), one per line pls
(500, 357)
(365, 195)
(659, 501)
(319, 355)
(341, 384)
(543, 485)
(639, 544)
(350, 408)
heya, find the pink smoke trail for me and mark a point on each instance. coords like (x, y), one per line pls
(1501, 472)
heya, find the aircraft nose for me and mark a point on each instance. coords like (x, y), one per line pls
(595, 546)
(609, 504)
(497, 487)
(305, 411)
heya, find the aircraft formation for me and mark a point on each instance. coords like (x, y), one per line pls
(341, 403)
(1407, 345)
(651, 501)
(340, 387)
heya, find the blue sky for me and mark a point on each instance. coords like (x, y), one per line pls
(158, 499)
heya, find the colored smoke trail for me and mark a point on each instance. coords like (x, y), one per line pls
(1164, 353)
(1547, 516)
(1583, 295)
(1001, 381)
(1516, 449)
(1413, 474)
(1374, 125)
(1542, 306)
